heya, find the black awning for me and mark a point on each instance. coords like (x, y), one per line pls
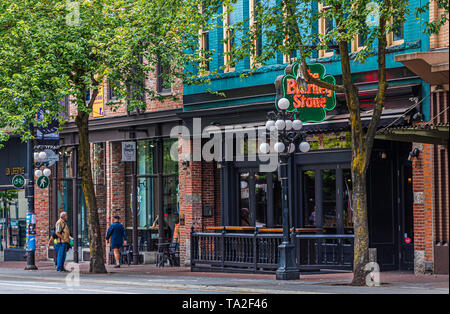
(339, 123)
(420, 133)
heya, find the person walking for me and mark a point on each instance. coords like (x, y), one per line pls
(63, 241)
(116, 235)
(54, 241)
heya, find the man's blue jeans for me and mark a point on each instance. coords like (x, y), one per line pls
(62, 251)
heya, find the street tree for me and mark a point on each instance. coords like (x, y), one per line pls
(51, 49)
(292, 25)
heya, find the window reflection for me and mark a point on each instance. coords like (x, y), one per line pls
(348, 209)
(329, 198)
(253, 199)
(261, 199)
(244, 213)
(309, 199)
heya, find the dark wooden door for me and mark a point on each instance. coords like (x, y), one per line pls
(382, 210)
(406, 220)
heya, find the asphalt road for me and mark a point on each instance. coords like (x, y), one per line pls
(13, 281)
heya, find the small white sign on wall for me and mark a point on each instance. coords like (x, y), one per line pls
(128, 151)
(419, 198)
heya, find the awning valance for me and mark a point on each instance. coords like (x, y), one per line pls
(421, 133)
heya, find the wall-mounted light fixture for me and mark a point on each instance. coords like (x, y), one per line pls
(414, 153)
(382, 155)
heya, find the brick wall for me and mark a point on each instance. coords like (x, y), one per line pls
(190, 199)
(439, 40)
(423, 204)
(115, 184)
(115, 109)
(42, 205)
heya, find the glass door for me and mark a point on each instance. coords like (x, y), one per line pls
(325, 199)
(256, 198)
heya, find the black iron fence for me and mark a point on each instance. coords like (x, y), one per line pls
(258, 252)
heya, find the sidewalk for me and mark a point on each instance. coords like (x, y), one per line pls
(396, 278)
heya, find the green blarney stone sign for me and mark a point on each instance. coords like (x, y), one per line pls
(311, 104)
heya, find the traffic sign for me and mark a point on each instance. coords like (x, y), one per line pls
(18, 181)
(43, 182)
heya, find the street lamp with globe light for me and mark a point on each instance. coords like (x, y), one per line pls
(288, 130)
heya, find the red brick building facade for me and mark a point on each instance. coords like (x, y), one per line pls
(430, 167)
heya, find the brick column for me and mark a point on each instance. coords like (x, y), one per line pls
(190, 199)
(98, 160)
(115, 184)
(42, 211)
(423, 207)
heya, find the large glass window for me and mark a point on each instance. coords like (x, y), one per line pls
(65, 190)
(170, 163)
(170, 203)
(145, 200)
(147, 164)
(244, 211)
(326, 25)
(146, 153)
(146, 185)
(329, 198)
(348, 206)
(259, 199)
(309, 199)
(13, 211)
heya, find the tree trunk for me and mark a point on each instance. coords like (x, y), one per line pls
(361, 228)
(97, 262)
(359, 166)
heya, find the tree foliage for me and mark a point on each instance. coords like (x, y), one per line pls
(51, 49)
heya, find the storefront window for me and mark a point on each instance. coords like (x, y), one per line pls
(255, 206)
(333, 211)
(171, 210)
(147, 164)
(13, 211)
(309, 199)
(146, 152)
(244, 213)
(146, 201)
(348, 210)
(329, 198)
(170, 163)
(261, 199)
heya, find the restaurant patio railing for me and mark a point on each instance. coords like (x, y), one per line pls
(257, 252)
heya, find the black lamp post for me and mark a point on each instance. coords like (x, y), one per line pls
(31, 225)
(289, 135)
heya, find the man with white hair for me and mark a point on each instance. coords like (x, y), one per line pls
(63, 233)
